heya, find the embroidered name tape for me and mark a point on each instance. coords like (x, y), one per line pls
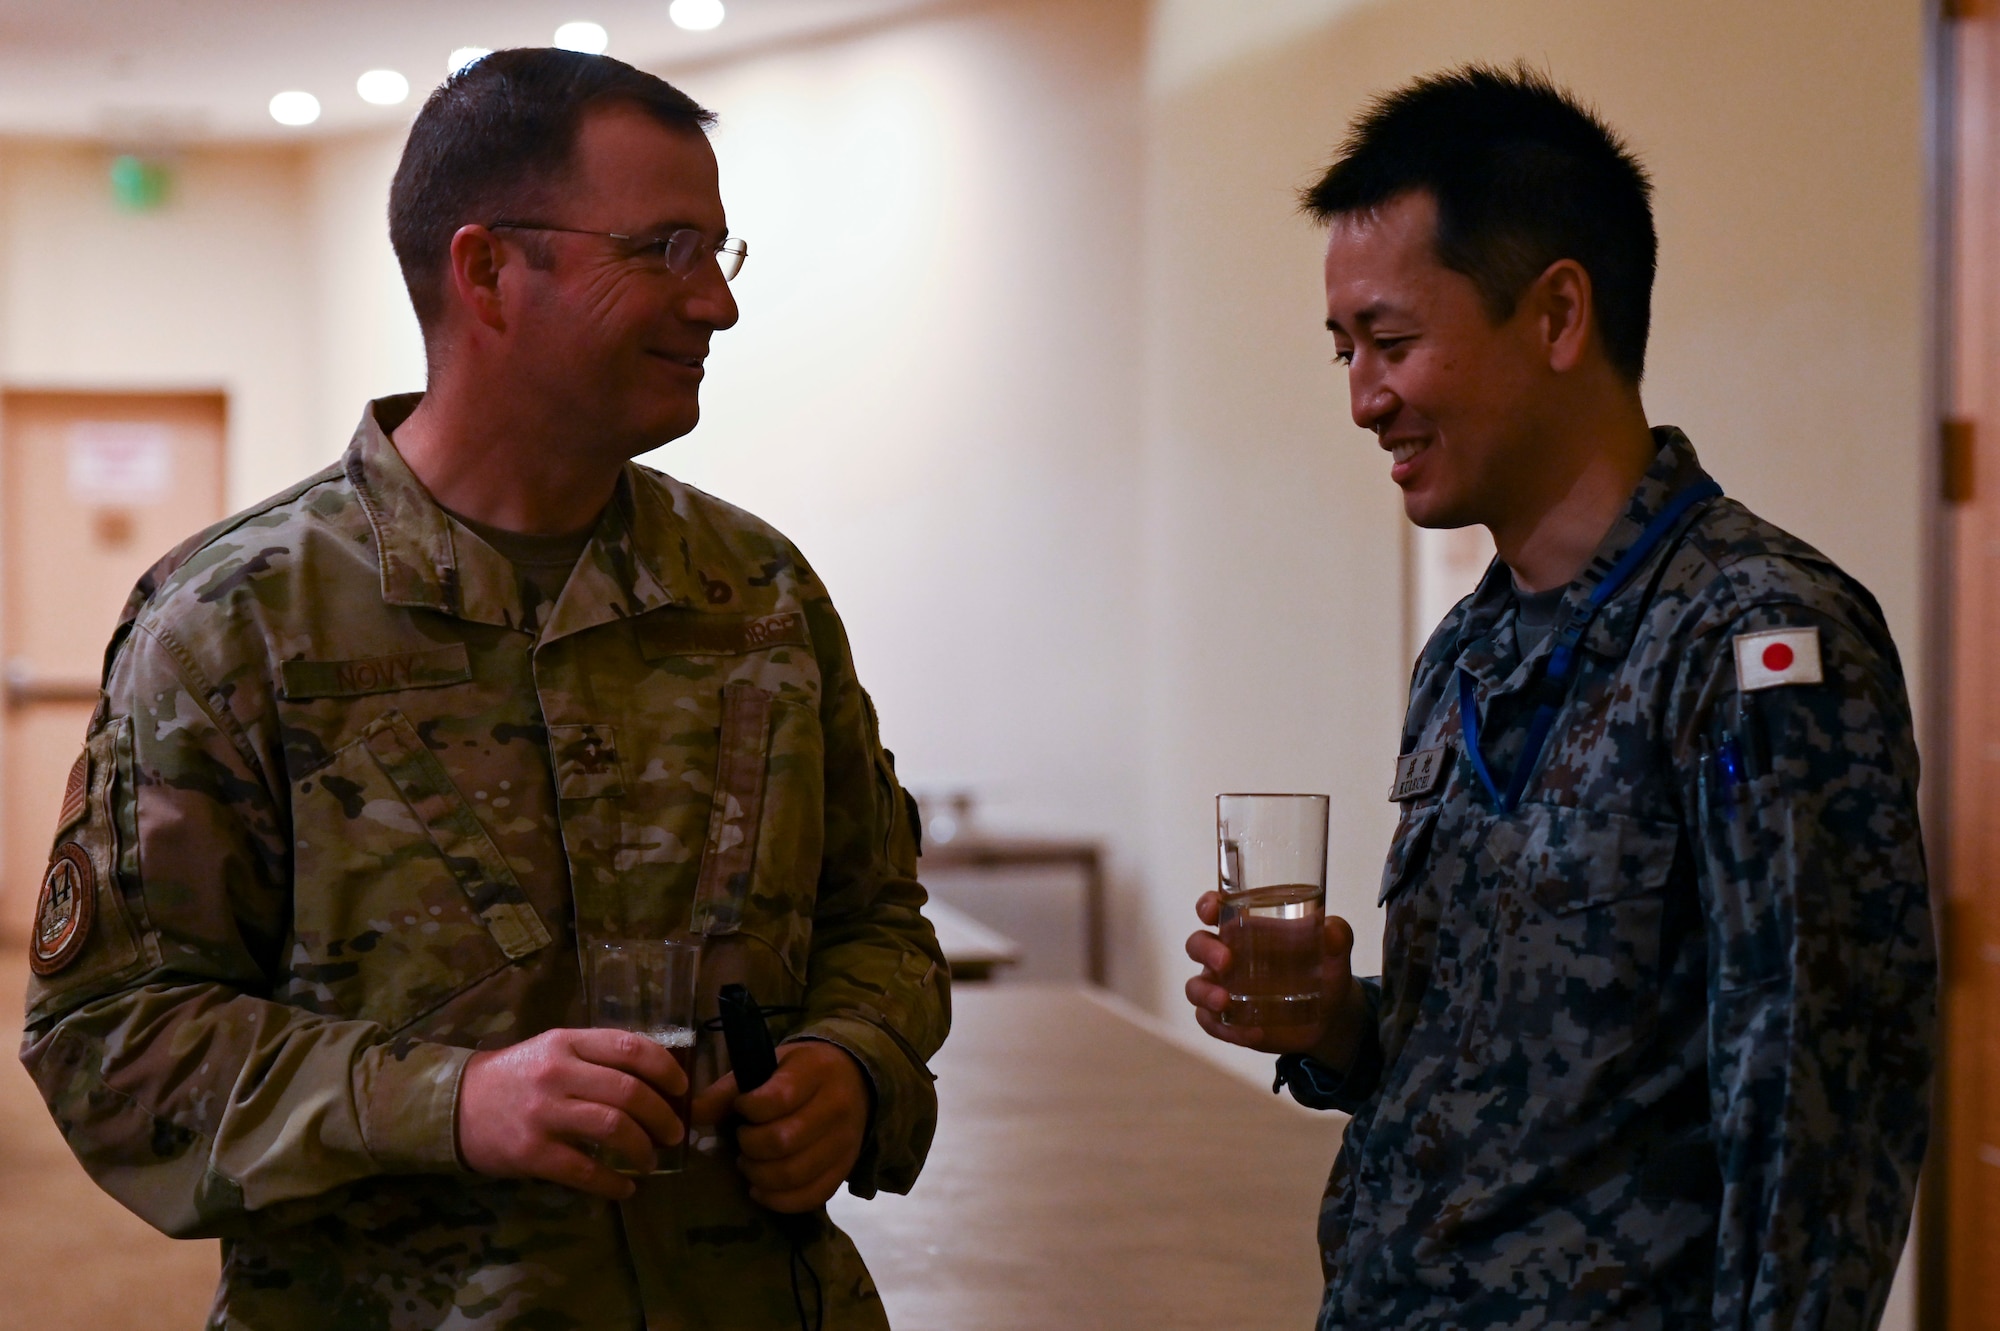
(672, 633)
(1777, 656)
(376, 674)
(1418, 773)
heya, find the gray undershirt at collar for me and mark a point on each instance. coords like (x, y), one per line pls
(1535, 616)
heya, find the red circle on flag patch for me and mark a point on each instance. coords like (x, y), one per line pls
(1778, 657)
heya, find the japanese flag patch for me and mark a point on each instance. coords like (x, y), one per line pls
(1777, 656)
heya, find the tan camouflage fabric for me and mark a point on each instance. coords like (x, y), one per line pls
(351, 813)
(1654, 1049)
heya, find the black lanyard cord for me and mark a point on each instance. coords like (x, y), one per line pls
(744, 1025)
(1555, 683)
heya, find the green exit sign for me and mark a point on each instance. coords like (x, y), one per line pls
(138, 185)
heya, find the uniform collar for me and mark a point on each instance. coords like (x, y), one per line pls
(431, 562)
(1674, 468)
(1482, 653)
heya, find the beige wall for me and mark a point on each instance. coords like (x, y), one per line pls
(268, 275)
(211, 292)
(934, 389)
(364, 337)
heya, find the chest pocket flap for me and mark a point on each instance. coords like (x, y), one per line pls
(495, 895)
(1575, 971)
(1580, 858)
(1408, 850)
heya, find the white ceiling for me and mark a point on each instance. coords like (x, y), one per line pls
(145, 71)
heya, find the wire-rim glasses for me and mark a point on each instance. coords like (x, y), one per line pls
(679, 252)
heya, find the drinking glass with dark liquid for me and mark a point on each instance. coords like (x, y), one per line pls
(1271, 870)
(647, 985)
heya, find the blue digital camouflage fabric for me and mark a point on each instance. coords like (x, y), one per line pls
(1655, 1049)
(349, 808)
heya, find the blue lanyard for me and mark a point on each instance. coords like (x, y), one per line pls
(1562, 659)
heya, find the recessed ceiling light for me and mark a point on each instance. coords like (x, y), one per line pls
(466, 55)
(695, 15)
(382, 87)
(295, 108)
(589, 38)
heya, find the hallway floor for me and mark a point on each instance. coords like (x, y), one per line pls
(1087, 1175)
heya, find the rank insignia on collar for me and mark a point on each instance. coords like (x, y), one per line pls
(1777, 656)
(1418, 773)
(64, 912)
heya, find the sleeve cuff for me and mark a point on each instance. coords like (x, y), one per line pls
(407, 1095)
(1317, 1086)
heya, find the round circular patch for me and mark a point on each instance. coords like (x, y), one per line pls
(1778, 657)
(63, 914)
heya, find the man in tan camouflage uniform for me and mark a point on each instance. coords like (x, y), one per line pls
(377, 756)
(1653, 1043)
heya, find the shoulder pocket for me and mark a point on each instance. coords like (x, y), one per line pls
(760, 867)
(736, 810)
(82, 936)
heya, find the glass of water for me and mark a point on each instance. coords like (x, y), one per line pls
(1271, 872)
(648, 985)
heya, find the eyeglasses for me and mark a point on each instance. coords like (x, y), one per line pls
(679, 252)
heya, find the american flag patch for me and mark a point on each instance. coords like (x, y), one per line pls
(75, 794)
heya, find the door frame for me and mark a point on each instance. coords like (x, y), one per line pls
(13, 392)
(1949, 397)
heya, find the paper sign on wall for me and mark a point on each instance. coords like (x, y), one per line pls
(120, 463)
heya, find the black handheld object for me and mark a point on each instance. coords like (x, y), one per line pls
(753, 1058)
(751, 1054)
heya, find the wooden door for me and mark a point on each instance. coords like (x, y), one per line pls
(93, 488)
(1964, 1289)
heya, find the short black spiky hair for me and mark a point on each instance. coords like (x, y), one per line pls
(1523, 175)
(492, 133)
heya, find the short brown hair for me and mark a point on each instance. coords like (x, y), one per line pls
(492, 134)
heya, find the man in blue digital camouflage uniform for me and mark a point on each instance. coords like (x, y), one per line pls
(1654, 1042)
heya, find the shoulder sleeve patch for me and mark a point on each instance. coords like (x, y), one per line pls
(64, 912)
(1778, 656)
(83, 940)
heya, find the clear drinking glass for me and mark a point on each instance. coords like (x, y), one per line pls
(648, 985)
(1271, 871)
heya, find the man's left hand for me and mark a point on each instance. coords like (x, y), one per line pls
(802, 1130)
